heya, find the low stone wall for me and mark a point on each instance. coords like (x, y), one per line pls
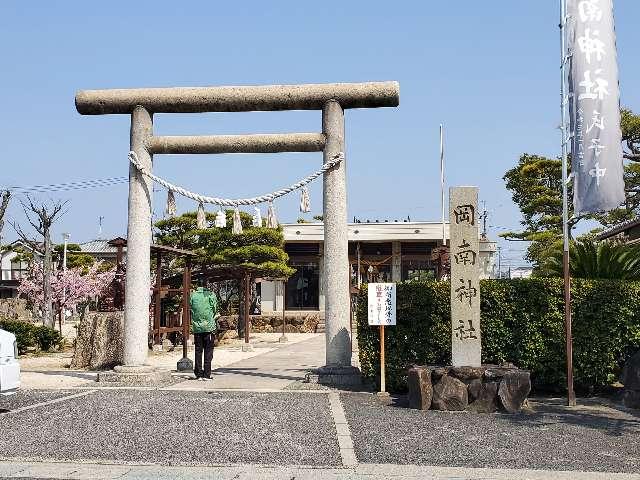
(485, 389)
(99, 344)
(303, 322)
(15, 309)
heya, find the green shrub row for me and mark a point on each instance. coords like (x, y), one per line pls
(522, 321)
(29, 335)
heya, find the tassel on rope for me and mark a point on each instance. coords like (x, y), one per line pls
(272, 221)
(237, 223)
(305, 203)
(201, 218)
(257, 217)
(221, 219)
(171, 204)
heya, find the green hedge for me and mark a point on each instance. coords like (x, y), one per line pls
(29, 335)
(522, 322)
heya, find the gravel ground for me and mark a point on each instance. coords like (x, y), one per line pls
(552, 437)
(174, 427)
(25, 398)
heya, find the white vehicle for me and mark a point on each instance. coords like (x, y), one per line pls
(9, 366)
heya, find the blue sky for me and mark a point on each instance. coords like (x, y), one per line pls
(487, 70)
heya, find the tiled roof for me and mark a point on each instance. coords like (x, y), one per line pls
(97, 246)
(619, 228)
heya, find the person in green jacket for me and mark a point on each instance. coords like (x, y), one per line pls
(204, 315)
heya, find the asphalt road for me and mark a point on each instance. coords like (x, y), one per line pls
(294, 432)
(173, 427)
(554, 437)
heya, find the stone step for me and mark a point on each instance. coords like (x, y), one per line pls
(320, 327)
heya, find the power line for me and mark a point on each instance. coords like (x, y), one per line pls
(67, 186)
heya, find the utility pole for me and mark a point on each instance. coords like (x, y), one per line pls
(100, 218)
(499, 261)
(65, 238)
(483, 216)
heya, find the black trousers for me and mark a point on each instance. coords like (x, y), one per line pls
(203, 342)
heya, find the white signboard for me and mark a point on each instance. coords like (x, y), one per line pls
(382, 303)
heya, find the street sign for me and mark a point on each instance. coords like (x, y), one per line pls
(382, 303)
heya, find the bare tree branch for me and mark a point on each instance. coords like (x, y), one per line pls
(45, 216)
(33, 244)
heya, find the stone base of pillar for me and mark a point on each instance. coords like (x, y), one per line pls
(335, 376)
(135, 375)
(247, 347)
(283, 339)
(185, 365)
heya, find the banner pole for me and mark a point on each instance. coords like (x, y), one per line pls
(444, 240)
(571, 398)
(383, 387)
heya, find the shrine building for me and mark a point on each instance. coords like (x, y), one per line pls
(378, 252)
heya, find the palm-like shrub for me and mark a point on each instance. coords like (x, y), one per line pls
(596, 260)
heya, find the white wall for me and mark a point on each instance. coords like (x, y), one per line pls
(267, 296)
(7, 257)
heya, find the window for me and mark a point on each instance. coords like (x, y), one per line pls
(17, 270)
(303, 287)
(417, 270)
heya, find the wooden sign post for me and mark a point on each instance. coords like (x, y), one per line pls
(382, 311)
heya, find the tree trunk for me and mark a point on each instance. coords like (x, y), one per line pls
(6, 195)
(47, 314)
(241, 319)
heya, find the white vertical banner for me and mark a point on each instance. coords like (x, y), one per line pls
(596, 162)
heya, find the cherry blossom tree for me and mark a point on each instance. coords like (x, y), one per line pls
(68, 288)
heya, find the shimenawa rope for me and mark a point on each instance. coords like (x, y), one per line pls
(229, 202)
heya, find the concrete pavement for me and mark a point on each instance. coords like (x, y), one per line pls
(271, 371)
(247, 423)
(101, 471)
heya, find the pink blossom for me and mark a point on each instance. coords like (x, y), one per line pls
(68, 288)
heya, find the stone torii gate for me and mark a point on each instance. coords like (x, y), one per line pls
(142, 103)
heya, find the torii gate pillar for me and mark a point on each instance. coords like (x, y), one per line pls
(336, 244)
(136, 303)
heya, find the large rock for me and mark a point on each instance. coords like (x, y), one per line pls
(631, 373)
(486, 400)
(99, 344)
(15, 309)
(473, 388)
(420, 388)
(495, 373)
(466, 374)
(450, 394)
(438, 372)
(514, 389)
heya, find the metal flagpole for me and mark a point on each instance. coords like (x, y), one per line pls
(571, 397)
(444, 241)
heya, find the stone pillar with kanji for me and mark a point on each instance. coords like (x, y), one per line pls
(465, 277)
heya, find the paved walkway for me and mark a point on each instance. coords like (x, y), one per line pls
(289, 362)
(270, 371)
(82, 471)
